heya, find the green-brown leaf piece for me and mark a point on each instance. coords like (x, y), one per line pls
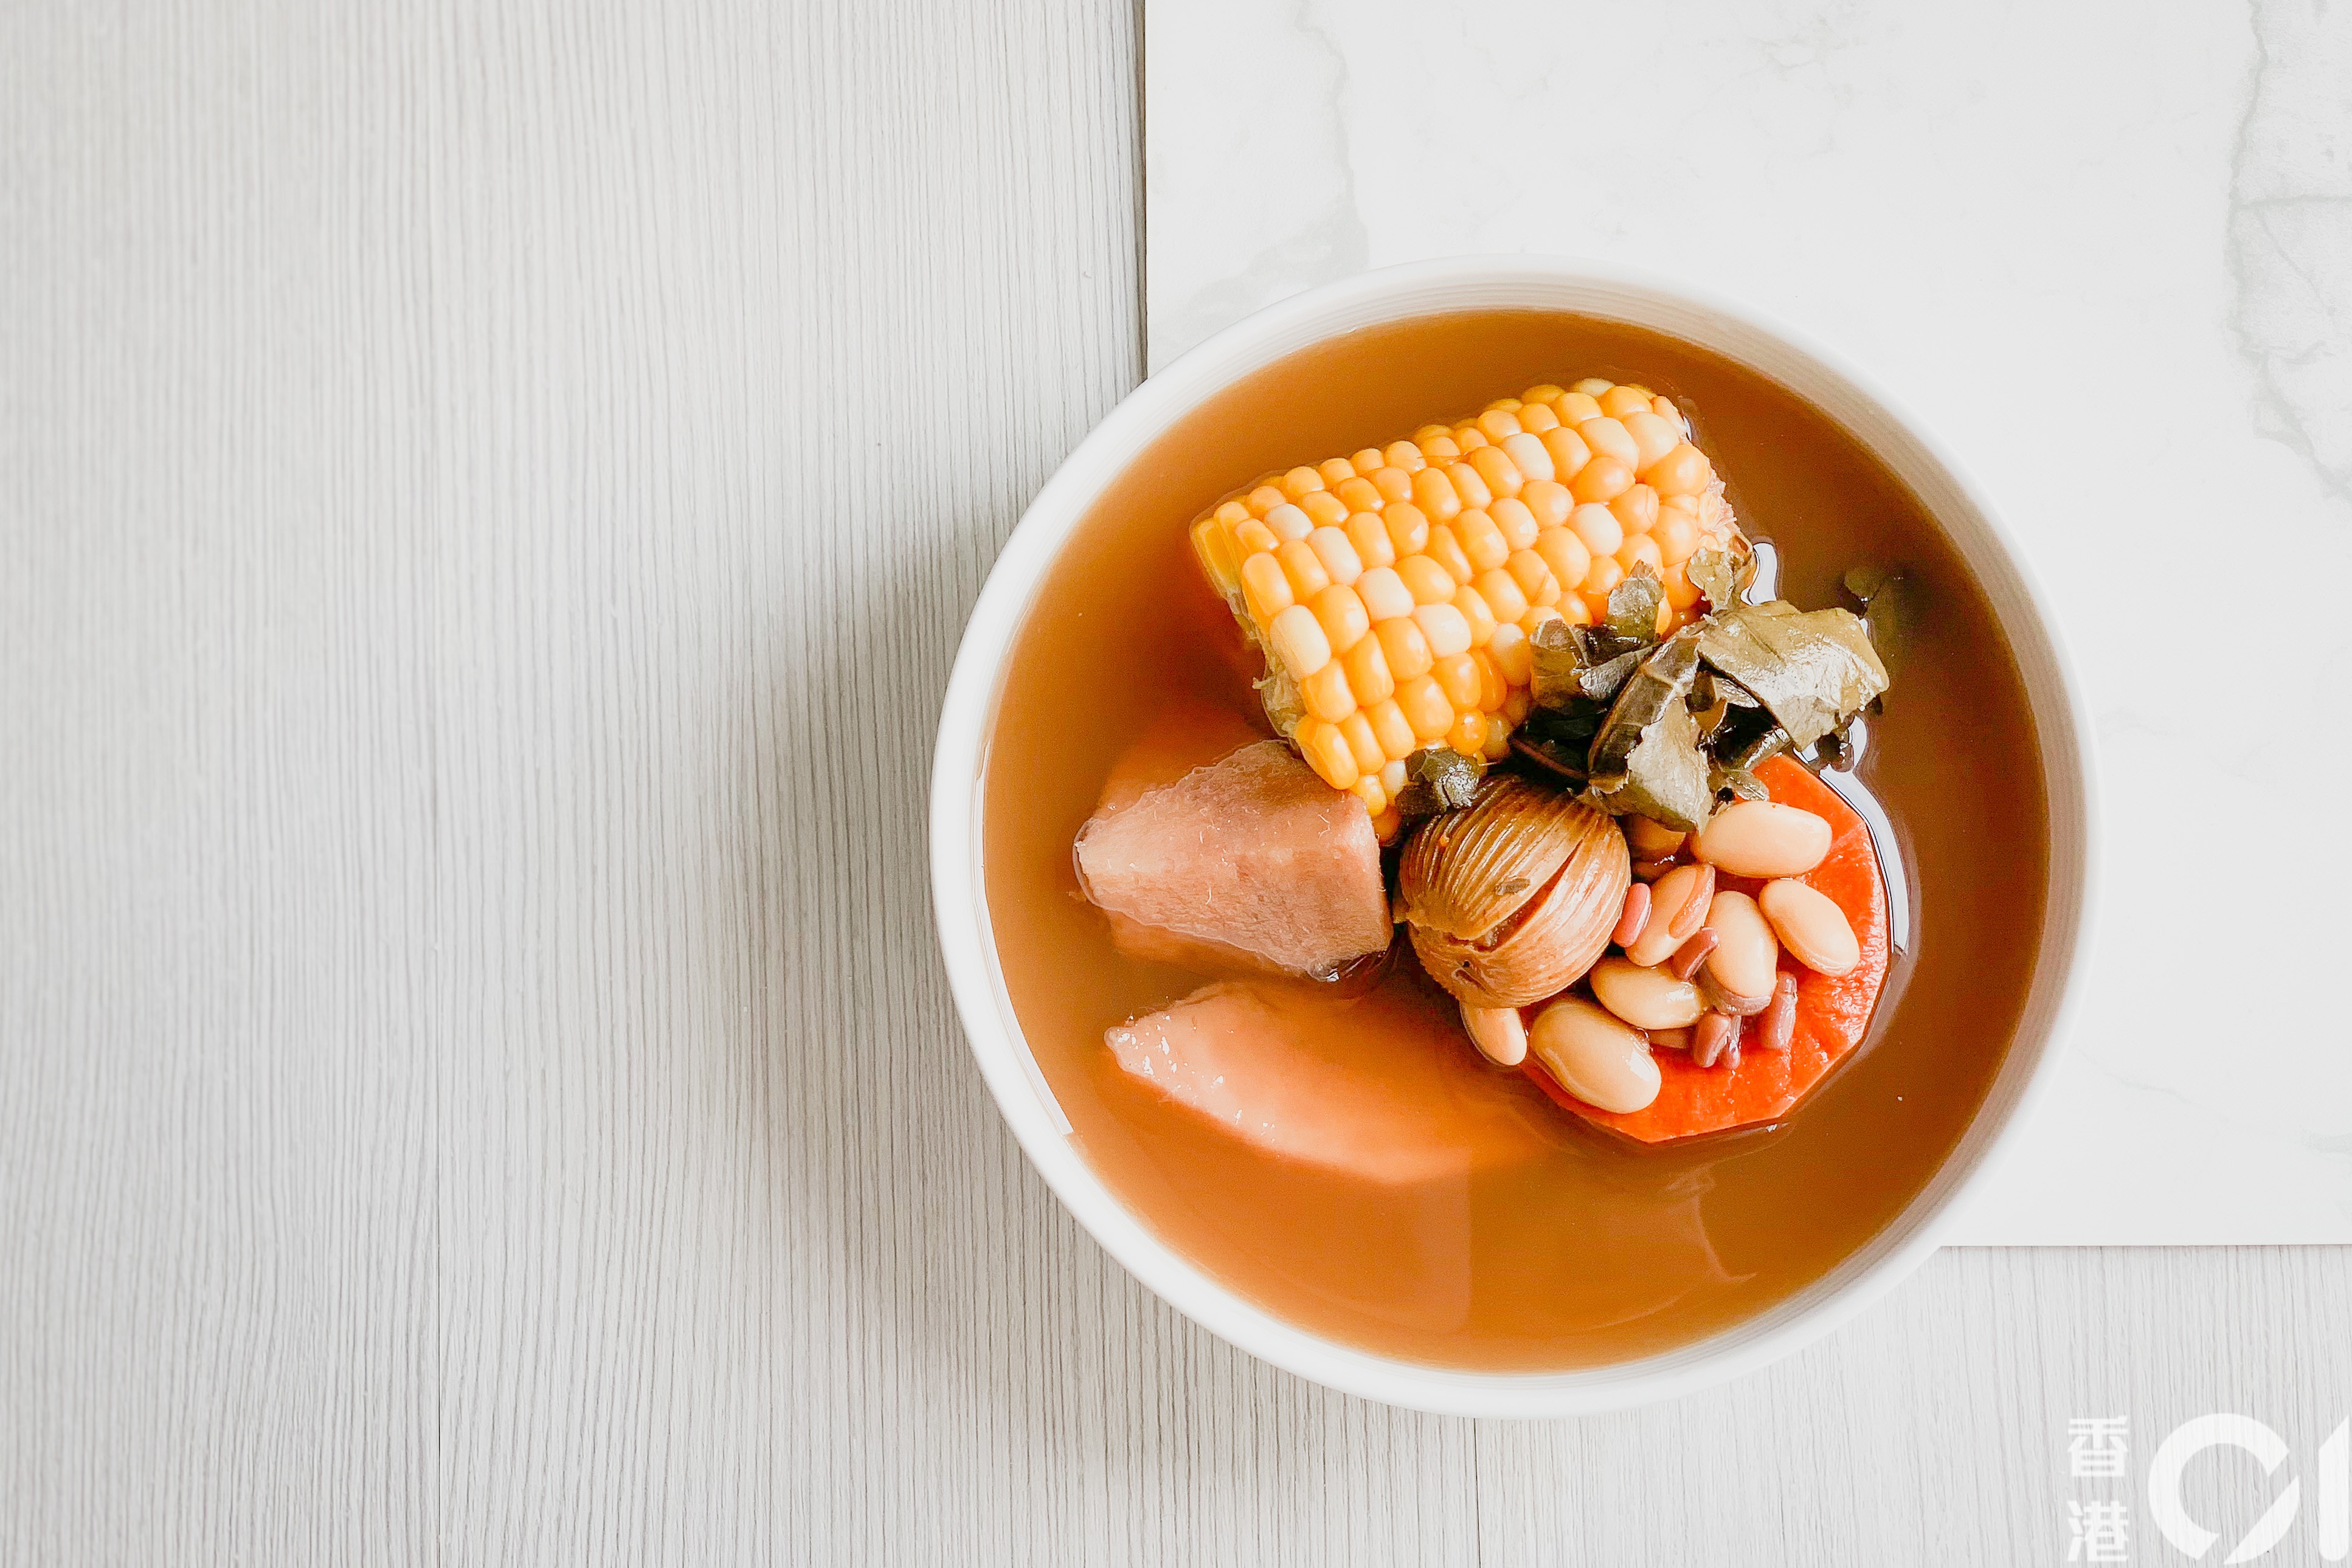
(1813, 669)
(1438, 779)
(1633, 605)
(1646, 756)
(1722, 575)
(1892, 606)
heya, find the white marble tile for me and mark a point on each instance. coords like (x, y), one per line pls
(2106, 250)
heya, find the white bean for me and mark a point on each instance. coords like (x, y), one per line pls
(1498, 1032)
(1812, 925)
(1647, 999)
(1594, 1056)
(1668, 895)
(1746, 954)
(1762, 839)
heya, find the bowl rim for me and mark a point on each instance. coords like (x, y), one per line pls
(1019, 1087)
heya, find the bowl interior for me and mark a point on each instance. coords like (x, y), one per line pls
(1433, 289)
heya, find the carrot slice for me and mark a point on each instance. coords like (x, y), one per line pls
(1833, 1015)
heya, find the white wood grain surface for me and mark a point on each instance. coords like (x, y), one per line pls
(487, 498)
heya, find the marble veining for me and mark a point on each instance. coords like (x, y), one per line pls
(2113, 271)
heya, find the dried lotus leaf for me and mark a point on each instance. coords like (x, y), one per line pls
(1633, 605)
(1813, 669)
(1439, 779)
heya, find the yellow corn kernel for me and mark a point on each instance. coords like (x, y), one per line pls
(1542, 392)
(1498, 422)
(1359, 495)
(1482, 540)
(1384, 595)
(1640, 550)
(1326, 693)
(1408, 528)
(1444, 547)
(1562, 550)
(1334, 555)
(1364, 462)
(1433, 493)
(1339, 470)
(1340, 613)
(1368, 672)
(1426, 579)
(1370, 537)
(1368, 790)
(1575, 406)
(1653, 438)
(1304, 570)
(1518, 705)
(1596, 527)
(1606, 574)
(1458, 677)
(1253, 536)
(1324, 509)
(1569, 453)
(1549, 503)
(1514, 655)
(1498, 737)
(1444, 626)
(1468, 735)
(1425, 707)
(1363, 743)
(1288, 522)
(1535, 578)
(1505, 600)
(1530, 460)
(1394, 730)
(1265, 588)
(1467, 485)
(1517, 524)
(1404, 455)
(1494, 464)
(1394, 483)
(1264, 499)
(1392, 776)
(1684, 471)
(1491, 684)
(1636, 510)
(1404, 647)
(1301, 482)
(1298, 642)
(1325, 750)
(1475, 613)
(1535, 418)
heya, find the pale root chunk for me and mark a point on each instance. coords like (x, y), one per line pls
(1380, 1088)
(1251, 853)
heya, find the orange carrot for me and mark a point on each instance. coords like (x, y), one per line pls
(1833, 1015)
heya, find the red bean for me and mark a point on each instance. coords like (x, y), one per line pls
(1692, 953)
(1779, 1025)
(1693, 913)
(1636, 916)
(1718, 1035)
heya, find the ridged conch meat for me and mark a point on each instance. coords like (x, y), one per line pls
(1513, 900)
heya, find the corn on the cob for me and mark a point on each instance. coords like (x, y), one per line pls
(1395, 589)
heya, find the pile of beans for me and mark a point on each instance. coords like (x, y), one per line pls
(1693, 963)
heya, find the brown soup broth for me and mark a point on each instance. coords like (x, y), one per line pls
(1597, 1251)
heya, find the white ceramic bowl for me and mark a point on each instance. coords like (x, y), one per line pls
(1422, 289)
